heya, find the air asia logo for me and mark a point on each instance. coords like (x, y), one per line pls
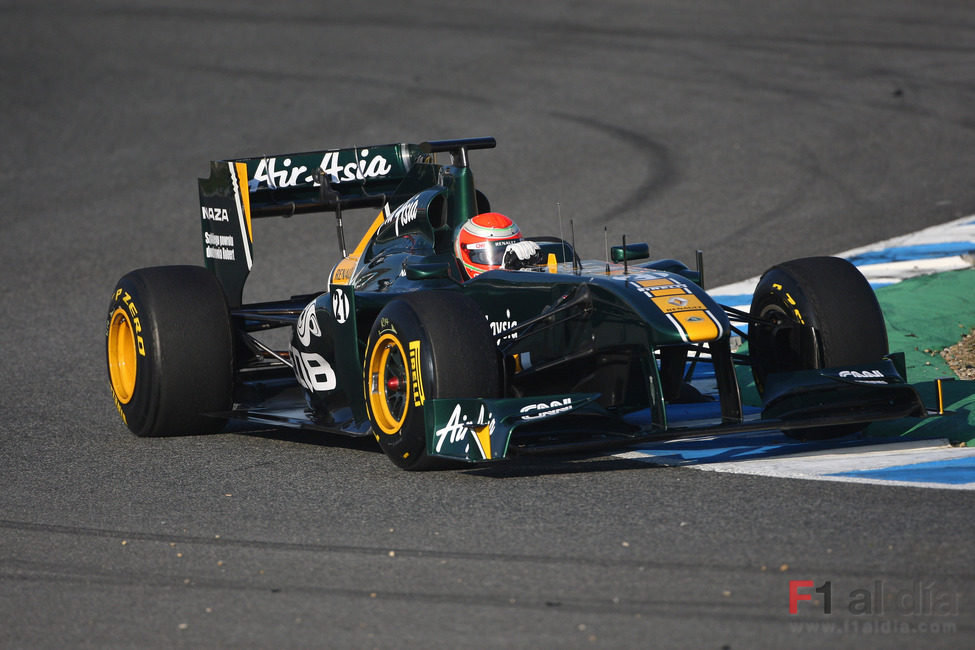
(272, 176)
(285, 173)
(457, 427)
(404, 214)
(340, 306)
(361, 169)
(499, 326)
(920, 599)
(543, 410)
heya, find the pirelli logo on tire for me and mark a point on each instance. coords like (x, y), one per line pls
(417, 384)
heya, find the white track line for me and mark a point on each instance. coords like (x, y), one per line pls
(959, 231)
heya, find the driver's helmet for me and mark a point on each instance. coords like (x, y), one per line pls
(482, 241)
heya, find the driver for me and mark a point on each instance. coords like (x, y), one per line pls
(491, 240)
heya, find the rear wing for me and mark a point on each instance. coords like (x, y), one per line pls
(240, 190)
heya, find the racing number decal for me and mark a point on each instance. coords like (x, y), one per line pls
(340, 306)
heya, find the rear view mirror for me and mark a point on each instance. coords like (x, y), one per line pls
(630, 252)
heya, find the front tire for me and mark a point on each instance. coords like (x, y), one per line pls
(169, 350)
(425, 345)
(815, 312)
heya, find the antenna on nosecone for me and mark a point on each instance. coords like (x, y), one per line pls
(572, 230)
(626, 266)
(558, 211)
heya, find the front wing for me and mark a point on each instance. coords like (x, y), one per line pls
(480, 430)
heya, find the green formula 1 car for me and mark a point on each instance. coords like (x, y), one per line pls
(449, 337)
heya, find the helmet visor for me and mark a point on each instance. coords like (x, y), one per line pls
(487, 253)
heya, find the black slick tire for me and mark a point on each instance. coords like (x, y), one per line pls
(817, 312)
(169, 350)
(425, 345)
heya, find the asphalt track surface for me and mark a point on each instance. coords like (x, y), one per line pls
(755, 131)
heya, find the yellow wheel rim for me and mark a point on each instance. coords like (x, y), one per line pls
(387, 384)
(122, 356)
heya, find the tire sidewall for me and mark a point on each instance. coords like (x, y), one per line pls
(777, 291)
(840, 323)
(143, 405)
(184, 350)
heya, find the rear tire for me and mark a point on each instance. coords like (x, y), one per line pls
(169, 349)
(444, 336)
(819, 312)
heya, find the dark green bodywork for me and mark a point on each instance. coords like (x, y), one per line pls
(589, 356)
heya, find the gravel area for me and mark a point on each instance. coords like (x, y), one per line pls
(961, 356)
